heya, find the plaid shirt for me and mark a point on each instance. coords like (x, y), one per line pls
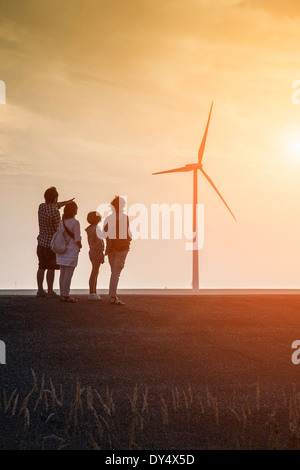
(49, 218)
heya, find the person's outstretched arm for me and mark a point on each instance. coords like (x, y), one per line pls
(63, 203)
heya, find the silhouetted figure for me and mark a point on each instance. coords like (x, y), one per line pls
(117, 245)
(48, 218)
(69, 259)
(96, 252)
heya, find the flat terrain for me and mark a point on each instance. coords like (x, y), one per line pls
(228, 353)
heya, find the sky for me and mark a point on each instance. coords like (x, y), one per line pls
(100, 94)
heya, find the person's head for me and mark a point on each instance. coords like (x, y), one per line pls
(70, 210)
(118, 203)
(93, 218)
(51, 195)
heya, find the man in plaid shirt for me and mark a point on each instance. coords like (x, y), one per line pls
(49, 218)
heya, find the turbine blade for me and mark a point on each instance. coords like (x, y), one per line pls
(217, 191)
(202, 146)
(183, 168)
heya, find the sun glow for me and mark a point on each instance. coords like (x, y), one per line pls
(291, 145)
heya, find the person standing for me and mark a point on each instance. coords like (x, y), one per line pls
(48, 220)
(96, 252)
(68, 260)
(118, 240)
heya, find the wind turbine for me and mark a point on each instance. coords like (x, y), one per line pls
(194, 167)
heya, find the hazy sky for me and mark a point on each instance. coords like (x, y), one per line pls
(100, 94)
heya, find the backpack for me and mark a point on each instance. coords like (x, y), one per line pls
(118, 244)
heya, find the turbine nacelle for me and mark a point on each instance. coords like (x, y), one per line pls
(193, 166)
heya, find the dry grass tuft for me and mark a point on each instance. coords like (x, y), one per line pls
(46, 419)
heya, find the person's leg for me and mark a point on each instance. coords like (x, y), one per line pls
(112, 288)
(62, 280)
(117, 264)
(93, 278)
(50, 280)
(69, 270)
(41, 271)
(91, 281)
(96, 271)
(40, 280)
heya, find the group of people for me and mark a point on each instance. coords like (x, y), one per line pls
(116, 249)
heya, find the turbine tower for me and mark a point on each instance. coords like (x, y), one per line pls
(194, 167)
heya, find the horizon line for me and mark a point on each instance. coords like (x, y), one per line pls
(168, 291)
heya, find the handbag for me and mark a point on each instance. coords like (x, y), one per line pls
(58, 243)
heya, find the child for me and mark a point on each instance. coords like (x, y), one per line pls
(96, 254)
(69, 259)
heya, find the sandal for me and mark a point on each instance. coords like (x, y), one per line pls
(41, 293)
(70, 300)
(116, 301)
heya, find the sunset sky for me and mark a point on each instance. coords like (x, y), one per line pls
(102, 93)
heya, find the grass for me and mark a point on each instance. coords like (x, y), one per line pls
(180, 419)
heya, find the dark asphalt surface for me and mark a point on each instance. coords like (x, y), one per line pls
(224, 344)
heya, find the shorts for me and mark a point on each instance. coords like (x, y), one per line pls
(96, 257)
(47, 259)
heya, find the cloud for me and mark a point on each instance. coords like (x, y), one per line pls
(290, 8)
(92, 48)
(100, 70)
(10, 166)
